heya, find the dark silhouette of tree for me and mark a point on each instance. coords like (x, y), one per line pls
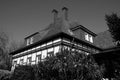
(113, 22)
(4, 55)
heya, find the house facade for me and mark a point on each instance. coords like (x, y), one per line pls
(60, 34)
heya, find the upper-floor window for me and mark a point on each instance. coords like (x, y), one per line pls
(29, 40)
(89, 37)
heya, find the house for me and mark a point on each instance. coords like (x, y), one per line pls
(61, 33)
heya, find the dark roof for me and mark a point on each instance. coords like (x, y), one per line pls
(54, 28)
(61, 25)
(32, 35)
(104, 40)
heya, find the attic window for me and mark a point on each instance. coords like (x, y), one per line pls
(30, 41)
(89, 37)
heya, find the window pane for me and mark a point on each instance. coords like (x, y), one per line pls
(38, 58)
(31, 40)
(56, 49)
(50, 54)
(28, 41)
(33, 56)
(29, 60)
(44, 54)
(91, 39)
(25, 59)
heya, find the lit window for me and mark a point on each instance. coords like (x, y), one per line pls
(56, 49)
(44, 54)
(89, 37)
(86, 37)
(33, 56)
(30, 41)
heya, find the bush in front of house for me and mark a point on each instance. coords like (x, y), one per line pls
(5, 74)
(65, 65)
(23, 72)
(68, 65)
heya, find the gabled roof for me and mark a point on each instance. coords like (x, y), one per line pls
(104, 40)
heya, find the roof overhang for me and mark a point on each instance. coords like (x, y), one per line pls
(58, 35)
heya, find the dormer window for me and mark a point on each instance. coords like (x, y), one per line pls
(29, 40)
(89, 37)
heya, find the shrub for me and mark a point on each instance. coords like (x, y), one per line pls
(23, 72)
(69, 66)
(5, 75)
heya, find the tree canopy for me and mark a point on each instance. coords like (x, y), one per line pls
(113, 22)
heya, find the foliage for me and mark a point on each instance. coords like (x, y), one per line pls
(4, 53)
(5, 75)
(69, 66)
(65, 65)
(113, 22)
(23, 72)
(5, 48)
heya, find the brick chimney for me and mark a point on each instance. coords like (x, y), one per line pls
(55, 14)
(65, 13)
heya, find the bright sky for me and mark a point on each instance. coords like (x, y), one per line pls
(20, 18)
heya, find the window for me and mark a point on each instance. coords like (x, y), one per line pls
(29, 40)
(56, 49)
(44, 54)
(21, 61)
(50, 54)
(39, 57)
(89, 37)
(29, 60)
(15, 62)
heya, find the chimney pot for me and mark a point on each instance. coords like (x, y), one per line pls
(55, 14)
(65, 8)
(65, 13)
(54, 11)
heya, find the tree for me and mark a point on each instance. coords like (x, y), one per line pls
(113, 22)
(7, 46)
(4, 56)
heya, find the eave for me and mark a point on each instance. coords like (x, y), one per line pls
(62, 35)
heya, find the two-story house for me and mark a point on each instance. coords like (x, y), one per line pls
(61, 33)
